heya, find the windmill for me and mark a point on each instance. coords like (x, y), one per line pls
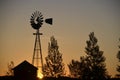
(36, 21)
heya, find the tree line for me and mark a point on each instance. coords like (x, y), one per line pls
(92, 66)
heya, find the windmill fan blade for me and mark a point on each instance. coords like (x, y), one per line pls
(49, 21)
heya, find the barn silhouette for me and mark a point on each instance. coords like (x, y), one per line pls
(25, 71)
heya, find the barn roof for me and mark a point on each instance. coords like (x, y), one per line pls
(25, 65)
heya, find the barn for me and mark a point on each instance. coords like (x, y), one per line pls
(25, 71)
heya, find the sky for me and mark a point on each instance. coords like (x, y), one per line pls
(73, 20)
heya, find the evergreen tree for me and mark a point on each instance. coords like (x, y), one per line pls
(85, 68)
(92, 66)
(54, 63)
(74, 68)
(118, 56)
(79, 69)
(95, 60)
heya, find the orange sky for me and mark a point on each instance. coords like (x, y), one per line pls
(73, 21)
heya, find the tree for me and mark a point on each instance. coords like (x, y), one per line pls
(74, 68)
(10, 67)
(92, 65)
(118, 56)
(95, 59)
(80, 69)
(54, 63)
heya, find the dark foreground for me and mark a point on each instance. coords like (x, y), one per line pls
(46, 78)
(68, 78)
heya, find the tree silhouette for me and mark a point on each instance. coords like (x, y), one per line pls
(10, 67)
(54, 63)
(74, 68)
(92, 66)
(118, 56)
(95, 59)
(79, 69)
(85, 68)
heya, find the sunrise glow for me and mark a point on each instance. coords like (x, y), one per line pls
(40, 75)
(73, 20)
